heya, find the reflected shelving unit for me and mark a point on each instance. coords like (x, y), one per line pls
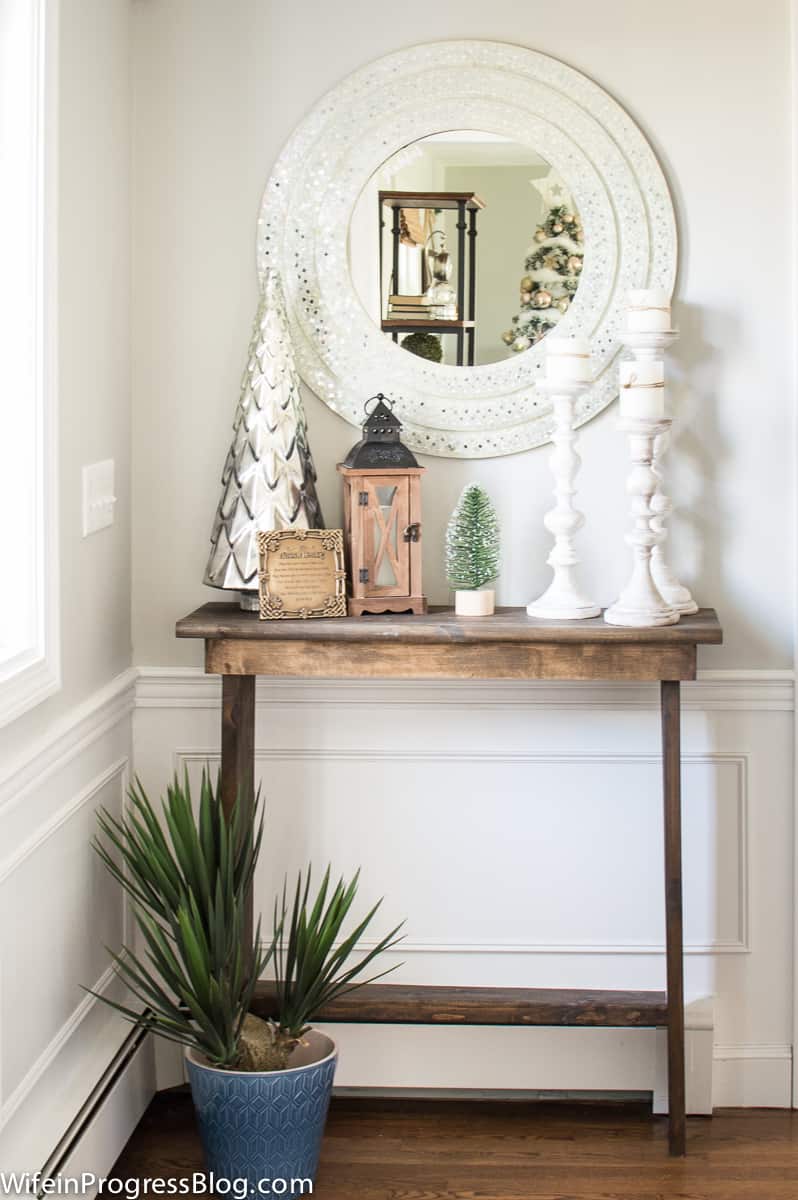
(466, 205)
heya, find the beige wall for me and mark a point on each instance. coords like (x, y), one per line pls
(218, 88)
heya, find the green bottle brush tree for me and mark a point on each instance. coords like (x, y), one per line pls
(472, 550)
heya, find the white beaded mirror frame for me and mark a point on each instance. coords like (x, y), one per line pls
(617, 186)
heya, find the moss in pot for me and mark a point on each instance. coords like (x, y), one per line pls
(261, 1088)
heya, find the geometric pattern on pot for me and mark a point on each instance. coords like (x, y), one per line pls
(262, 1125)
(588, 138)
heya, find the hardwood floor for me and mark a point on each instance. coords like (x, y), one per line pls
(479, 1150)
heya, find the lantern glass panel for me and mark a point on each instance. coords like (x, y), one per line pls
(385, 541)
(386, 576)
(384, 521)
(385, 497)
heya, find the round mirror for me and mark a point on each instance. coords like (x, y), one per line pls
(469, 113)
(466, 247)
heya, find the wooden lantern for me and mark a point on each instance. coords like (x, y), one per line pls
(382, 518)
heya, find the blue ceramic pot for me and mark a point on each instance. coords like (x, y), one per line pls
(266, 1125)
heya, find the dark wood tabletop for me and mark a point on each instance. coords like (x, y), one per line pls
(441, 626)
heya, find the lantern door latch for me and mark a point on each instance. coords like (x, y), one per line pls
(363, 499)
(364, 575)
(412, 532)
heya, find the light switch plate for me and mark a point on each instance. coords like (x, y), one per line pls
(98, 496)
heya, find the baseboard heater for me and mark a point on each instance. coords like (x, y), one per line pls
(58, 1161)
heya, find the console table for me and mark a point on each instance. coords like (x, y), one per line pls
(439, 645)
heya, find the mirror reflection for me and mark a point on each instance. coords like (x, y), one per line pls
(466, 248)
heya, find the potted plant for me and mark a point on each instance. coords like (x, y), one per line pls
(261, 1088)
(425, 345)
(472, 552)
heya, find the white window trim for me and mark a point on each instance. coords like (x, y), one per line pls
(35, 672)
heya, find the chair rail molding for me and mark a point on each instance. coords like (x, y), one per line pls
(68, 737)
(743, 690)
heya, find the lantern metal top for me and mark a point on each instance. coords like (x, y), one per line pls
(380, 445)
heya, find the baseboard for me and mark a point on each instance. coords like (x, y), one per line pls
(511, 1061)
(752, 1076)
(502, 1094)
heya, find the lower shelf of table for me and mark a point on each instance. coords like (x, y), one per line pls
(407, 1004)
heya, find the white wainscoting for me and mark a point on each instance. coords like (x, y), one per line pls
(58, 911)
(517, 828)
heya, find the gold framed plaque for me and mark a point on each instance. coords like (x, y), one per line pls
(302, 574)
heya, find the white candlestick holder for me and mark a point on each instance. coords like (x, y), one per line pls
(563, 600)
(669, 587)
(649, 347)
(641, 603)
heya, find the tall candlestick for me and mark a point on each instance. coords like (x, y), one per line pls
(564, 600)
(640, 603)
(669, 587)
(647, 349)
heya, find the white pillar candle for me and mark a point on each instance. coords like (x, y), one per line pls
(649, 311)
(643, 390)
(568, 360)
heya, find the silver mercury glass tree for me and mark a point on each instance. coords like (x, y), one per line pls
(268, 481)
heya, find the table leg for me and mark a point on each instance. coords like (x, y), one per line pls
(671, 788)
(238, 760)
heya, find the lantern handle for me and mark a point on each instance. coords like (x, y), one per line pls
(379, 397)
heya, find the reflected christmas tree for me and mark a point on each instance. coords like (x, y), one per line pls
(268, 481)
(553, 264)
